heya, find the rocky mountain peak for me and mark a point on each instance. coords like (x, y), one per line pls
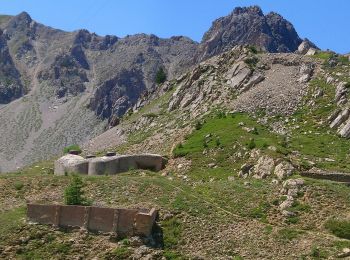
(250, 9)
(22, 19)
(248, 25)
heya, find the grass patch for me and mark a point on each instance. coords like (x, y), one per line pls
(73, 147)
(120, 253)
(173, 255)
(172, 229)
(288, 234)
(11, 220)
(260, 212)
(339, 228)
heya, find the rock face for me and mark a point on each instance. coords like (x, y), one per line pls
(283, 170)
(11, 86)
(306, 47)
(249, 25)
(275, 83)
(264, 167)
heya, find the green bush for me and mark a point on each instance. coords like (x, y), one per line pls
(251, 62)
(251, 144)
(218, 142)
(121, 253)
(198, 125)
(160, 76)
(74, 194)
(73, 147)
(19, 185)
(253, 49)
(340, 228)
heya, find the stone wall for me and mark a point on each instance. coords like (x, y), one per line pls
(124, 222)
(108, 165)
(333, 176)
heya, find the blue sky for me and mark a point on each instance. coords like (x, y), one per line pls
(325, 22)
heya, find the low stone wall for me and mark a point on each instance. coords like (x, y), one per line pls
(108, 165)
(123, 222)
(333, 176)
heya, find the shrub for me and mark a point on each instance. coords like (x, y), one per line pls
(160, 76)
(71, 148)
(251, 62)
(251, 144)
(218, 142)
(121, 253)
(318, 253)
(253, 49)
(19, 185)
(198, 125)
(74, 194)
(288, 234)
(205, 143)
(340, 228)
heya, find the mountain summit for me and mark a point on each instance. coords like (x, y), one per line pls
(248, 25)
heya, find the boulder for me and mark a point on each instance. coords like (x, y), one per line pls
(71, 163)
(245, 170)
(305, 71)
(264, 167)
(292, 187)
(283, 170)
(287, 203)
(341, 118)
(340, 92)
(311, 52)
(345, 130)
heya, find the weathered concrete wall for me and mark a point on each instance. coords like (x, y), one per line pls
(108, 165)
(71, 163)
(333, 176)
(124, 222)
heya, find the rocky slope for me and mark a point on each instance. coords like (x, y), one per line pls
(49, 79)
(234, 185)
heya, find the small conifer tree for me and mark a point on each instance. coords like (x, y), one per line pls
(74, 194)
(160, 76)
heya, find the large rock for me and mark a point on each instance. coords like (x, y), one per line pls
(305, 47)
(283, 170)
(292, 187)
(340, 93)
(264, 167)
(341, 118)
(71, 163)
(345, 130)
(306, 71)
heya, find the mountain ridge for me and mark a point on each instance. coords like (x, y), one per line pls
(99, 78)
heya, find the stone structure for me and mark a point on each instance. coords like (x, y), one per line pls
(109, 165)
(124, 222)
(326, 175)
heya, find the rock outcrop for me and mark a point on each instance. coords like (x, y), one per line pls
(248, 25)
(238, 79)
(283, 170)
(307, 47)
